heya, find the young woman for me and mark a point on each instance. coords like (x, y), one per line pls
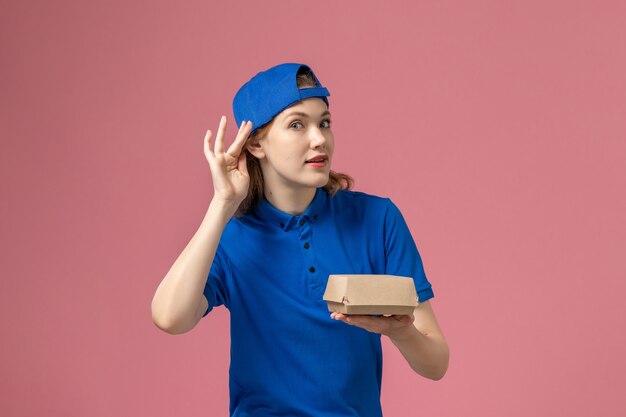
(280, 222)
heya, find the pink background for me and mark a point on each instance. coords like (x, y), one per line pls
(498, 128)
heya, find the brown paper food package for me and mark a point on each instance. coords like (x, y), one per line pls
(370, 294)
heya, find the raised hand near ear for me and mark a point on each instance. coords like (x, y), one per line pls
(228, 169)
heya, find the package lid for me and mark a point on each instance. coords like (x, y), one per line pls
(376, 289)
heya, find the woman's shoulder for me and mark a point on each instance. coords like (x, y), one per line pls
(352, 202)
(360, 197)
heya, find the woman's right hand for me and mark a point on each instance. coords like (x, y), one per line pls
(228, 169)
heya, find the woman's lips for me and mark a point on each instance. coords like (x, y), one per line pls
(318, 158)
(318, 163)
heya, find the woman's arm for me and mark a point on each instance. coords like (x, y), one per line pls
(417, 336)
(423, 345)
(178, 300)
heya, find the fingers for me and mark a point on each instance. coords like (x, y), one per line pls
(341, 316)
(381, 325)
(242, 163)
(366, 318)
(235, 149)
(207, 145)
(244, 131)
(219, 140)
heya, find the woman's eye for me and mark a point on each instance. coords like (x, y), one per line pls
(325, 124)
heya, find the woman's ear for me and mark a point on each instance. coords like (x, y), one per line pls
(254, 147)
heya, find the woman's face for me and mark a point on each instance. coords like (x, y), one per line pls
(297, 134)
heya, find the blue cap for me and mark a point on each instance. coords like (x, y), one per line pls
(271, 91)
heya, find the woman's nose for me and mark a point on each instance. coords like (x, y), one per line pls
(317, 138)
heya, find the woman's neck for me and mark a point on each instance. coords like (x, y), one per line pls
(290, 200)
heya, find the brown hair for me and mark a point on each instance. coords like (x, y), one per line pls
(336, 180)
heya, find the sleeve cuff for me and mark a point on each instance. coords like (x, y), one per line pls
(425, 294)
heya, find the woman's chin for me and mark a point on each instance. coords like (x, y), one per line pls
(322, 181)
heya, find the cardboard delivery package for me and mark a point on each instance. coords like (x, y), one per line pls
(370, 294)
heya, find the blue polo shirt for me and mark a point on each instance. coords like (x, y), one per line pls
(288, 357)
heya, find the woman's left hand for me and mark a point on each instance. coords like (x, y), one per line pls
(388, 325)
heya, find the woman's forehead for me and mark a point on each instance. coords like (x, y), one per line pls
(310, 107)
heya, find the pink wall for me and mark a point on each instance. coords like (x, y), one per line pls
(497, 127)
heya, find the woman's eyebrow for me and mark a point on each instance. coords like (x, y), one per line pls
(299, 113)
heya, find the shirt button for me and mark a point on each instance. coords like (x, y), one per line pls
(312, 269)
(301, 222)
(315, 217)
(306, 245)
(282, 225)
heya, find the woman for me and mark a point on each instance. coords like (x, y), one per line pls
(279, 223)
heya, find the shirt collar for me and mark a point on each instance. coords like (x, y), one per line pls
(285, 221)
